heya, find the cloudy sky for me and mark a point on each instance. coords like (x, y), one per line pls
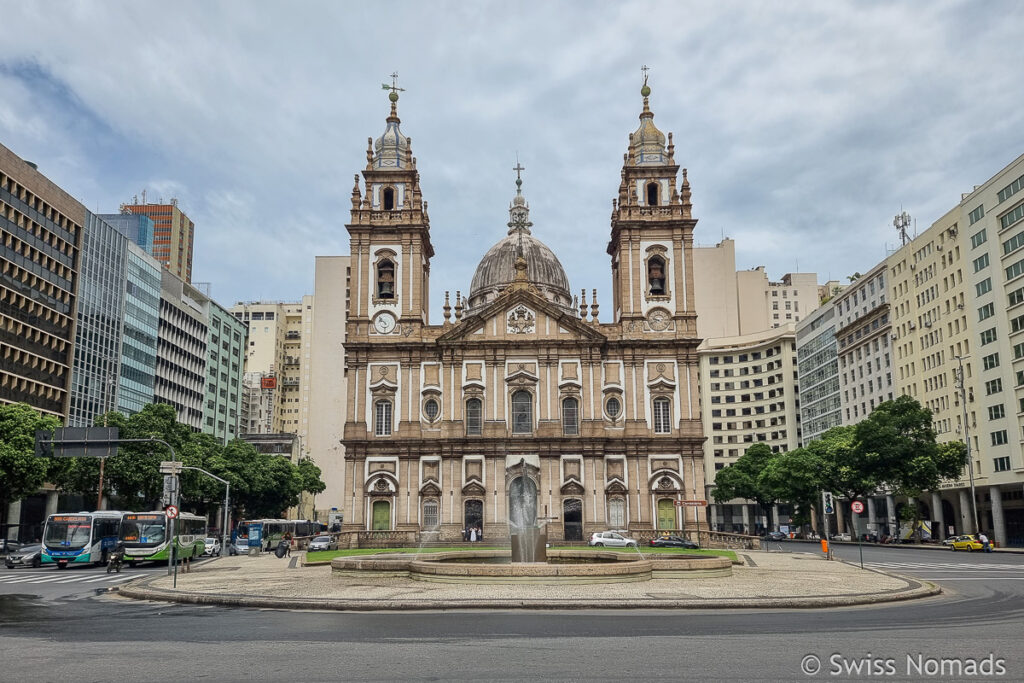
(805, 126)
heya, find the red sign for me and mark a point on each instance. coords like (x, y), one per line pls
(857, 506)
(268, 383)
(691, 503)
(171, 511)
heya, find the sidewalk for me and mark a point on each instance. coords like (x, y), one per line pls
(904, 546)
(767, 580)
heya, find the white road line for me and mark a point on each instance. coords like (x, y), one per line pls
(973, 578)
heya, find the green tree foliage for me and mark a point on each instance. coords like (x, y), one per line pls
(795, 477)
(742, 479)
(21, 472)
(310, 474)
(846, 469)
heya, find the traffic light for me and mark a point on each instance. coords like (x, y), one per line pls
(829, 506)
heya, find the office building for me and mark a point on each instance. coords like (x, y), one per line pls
(173, 235)
(818, 373)
(140, 330)
(225, 359)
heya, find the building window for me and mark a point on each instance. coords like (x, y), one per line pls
(1010, 189)
(662, 416)
(986, 311)
(990, 361)
(976, 215)
(1012, 217)
(978, 238)
(522, 412)
(474, 416)
(388, 200)
(570, 417)
(1016, 296)
(1014, 243)
(998, 438)
(616, 513)
(656, 275)
(652, 194)
(983, 287)
(980, 263)
(382, 418)
(988, 336)
(993, 386)
(1001, 464)
(430, 514)
(431, 409)
(386, 279)
(613, 407)
(996, 412)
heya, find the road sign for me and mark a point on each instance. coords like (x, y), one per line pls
(77, 442)
(171, 511)
(691, 503)
(857, 506)
(171, 466)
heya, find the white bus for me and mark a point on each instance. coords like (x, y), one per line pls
(80, 538)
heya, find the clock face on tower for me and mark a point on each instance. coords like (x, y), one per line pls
(384, 323)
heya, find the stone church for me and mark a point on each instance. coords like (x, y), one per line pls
(600, 419)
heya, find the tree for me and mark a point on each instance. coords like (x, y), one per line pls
(741, 479)
(846, 469)
(21, 472)
(795, 477)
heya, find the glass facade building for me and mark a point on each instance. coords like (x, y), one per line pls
(224, 368)
(141, 328)
(818, 372)
(95, 369)
(136, 227)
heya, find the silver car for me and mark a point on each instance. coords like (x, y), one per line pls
(322, 543)
(611, 539)
(25, 556)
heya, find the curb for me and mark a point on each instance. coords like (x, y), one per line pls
(140, 590)
(903, 546)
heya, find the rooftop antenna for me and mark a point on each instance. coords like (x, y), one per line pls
(143, 195)
(901, 222)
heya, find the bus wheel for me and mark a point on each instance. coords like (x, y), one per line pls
(132, 564)
(62, 565)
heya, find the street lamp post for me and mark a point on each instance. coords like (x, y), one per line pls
(967, 439)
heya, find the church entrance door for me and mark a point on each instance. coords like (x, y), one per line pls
(381, 515)
(474, 514)
(572, 519)
(666, 514)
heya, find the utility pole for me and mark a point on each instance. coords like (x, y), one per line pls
(967, 438)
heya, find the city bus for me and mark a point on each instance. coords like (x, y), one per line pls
(80, 538)
(272, 531)
(146, 534)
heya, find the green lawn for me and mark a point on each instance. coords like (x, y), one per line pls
(324, 555)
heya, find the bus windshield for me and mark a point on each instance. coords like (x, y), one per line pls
(143, 530)
(68, 532)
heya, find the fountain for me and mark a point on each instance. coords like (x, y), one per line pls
(529, 540)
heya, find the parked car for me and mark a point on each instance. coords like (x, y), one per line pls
(212, 547)
(776, 536)
(25, 556)
(322, 543)
(951, 539)
(612, 539)
(968, 542)
(673, 542)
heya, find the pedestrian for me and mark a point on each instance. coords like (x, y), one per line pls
(465, 533)
(472, 535)
(479, 533)
(985, 545)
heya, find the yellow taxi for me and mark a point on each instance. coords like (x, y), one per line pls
(968, 543)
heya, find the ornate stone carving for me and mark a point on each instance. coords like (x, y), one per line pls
(666, 484)
(521, 321)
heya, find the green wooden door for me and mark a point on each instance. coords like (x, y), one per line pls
(666, 514)
(381, 515)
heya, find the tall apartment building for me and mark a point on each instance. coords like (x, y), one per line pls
(96, 370)
(41, 228)
(173, 235)
(181, 349)
(818, 373)
(224, 364)
(328, 386)
(264, 362)
(140, 330)
(864, 345)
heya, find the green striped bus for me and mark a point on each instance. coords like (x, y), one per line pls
(145, 536)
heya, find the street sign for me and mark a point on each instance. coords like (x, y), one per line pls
(77, 442)
(171, 511)
(857, 506)
(691, 503)
(171, 466)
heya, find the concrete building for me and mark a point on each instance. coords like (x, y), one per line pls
(864, 345)
(226, 348)
(328, 387)
(100, 315)
(818, 373)
(140, 330)
(181, 349)
(265, 323)
(173, 235)
(42, 228)
(288, 446)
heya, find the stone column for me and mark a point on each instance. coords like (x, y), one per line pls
(52, 498)
(872, 520)
(940, 533)
(814, 520)
(775, 517)
(713, 522)
(966, 522)
(998, 522)
(840, 522)
(746, 518)
(13, 520)
(890, 511)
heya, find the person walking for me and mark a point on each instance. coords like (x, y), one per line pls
(985, 545)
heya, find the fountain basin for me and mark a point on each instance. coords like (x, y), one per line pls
(563, 567)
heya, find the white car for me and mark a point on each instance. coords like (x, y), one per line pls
(322, 543)
(212, 547)
(611, 539)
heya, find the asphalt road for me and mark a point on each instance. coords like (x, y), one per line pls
(103, 638)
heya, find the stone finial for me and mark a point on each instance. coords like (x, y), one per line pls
(593, 307)
(575, 303)
(409, 159)
(671, 150)
(583, 304)
(458, 304)
(686, 195)
(369, 152)
(447, 309)
(356, 195)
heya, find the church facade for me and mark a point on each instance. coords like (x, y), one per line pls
(523, 381)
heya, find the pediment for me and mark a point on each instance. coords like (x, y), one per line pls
(615, 486)
(573, 488)
(474, 488)
(521, 316)
(430, 489)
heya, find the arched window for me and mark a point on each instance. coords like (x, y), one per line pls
(656, 275)
(386, 279)
(613, 407)
(652, 194)
(662, 415)
(617, 513)
(474, 416)
(570, 417)
(388, 199)
(522, 412)
(430, 514)
(382, 418)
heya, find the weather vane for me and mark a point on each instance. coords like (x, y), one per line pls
(394, 84)
(645, 69)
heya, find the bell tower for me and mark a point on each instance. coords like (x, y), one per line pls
(652, 234)
(390, 237)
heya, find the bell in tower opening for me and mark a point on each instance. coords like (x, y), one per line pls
(386, 280)
(656, 275)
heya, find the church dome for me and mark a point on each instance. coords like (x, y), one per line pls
(496, 270)
(647, 143)
(392, 148)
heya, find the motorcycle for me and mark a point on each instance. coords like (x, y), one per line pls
(115, 561)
